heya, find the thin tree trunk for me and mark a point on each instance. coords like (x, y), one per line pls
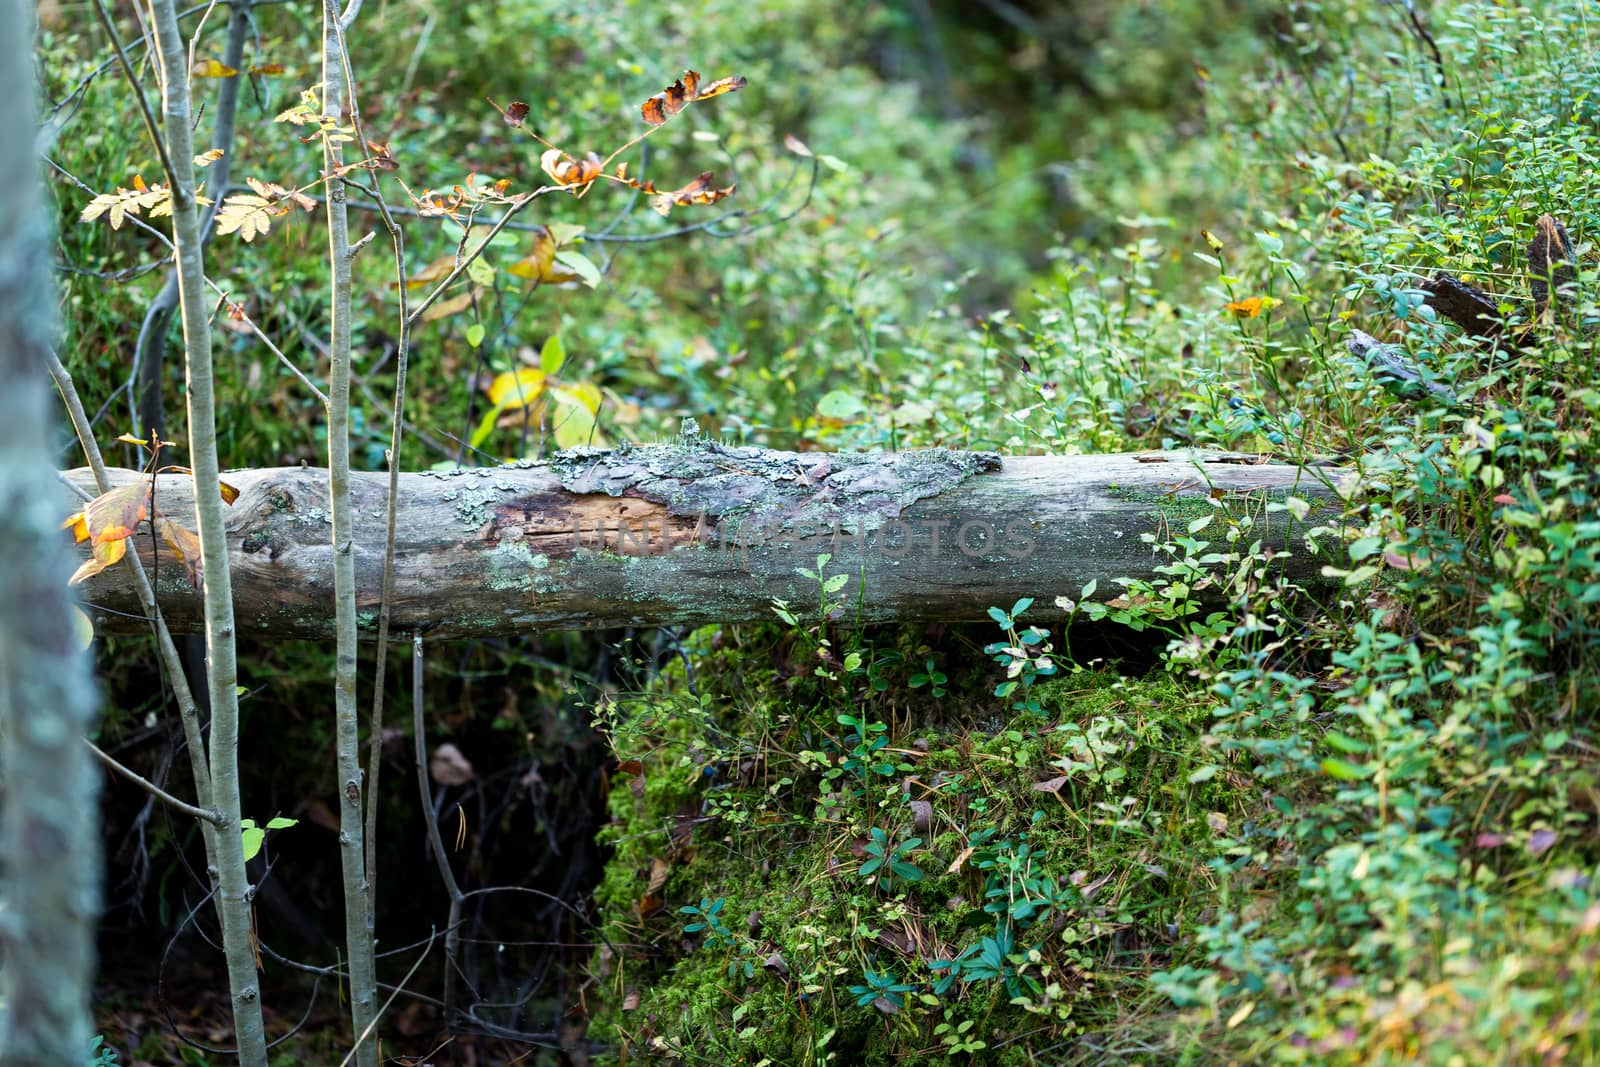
(49, 832)
(347, 729)
(150, 351)
(222, 666)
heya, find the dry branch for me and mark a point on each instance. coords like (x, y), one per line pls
(700, 532)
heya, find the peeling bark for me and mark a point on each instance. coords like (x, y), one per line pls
(701, 532)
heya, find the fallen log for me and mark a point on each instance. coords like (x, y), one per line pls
(700, 532)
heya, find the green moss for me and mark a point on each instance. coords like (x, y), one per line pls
(729, 810)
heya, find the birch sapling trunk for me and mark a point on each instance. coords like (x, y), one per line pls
(347, 731)
(221, 661)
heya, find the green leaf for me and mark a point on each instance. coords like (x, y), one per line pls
(552, 355)
(485, 426)
(1362, 547)
(475, 334)
(564, 233)
(841, 405)
(281, 823)
(481, 272)
(1204, 774)
(253, 836)
(579, 264)
(1341, 743)
(1344, 770)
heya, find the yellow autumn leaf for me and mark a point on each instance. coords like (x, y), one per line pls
(211, 68)
(516, 389)
(573, 422)
(585, 393)
(82, 627)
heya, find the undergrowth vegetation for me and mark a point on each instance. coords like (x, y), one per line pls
(1351, 827)
(1216, 817)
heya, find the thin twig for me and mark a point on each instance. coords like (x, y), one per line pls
(441, 859)
(150, 787)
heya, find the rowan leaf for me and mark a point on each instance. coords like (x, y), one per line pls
(156, 199)
(248, 215)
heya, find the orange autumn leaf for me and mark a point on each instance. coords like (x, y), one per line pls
(702, 190)
(564, 170)
(1251, 307)
(186, 544)
(107, 522)
(267, 68)
(675, 97)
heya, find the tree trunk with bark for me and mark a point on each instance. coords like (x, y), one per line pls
(697, 532)
(49, 833)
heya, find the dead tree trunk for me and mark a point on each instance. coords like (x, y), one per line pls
(700, 532)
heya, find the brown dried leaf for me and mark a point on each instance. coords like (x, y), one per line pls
(731, 84)
(702, 190)
(515, 114)
(445, 308)
(449, 767)
(186, 544)
(675, 97)
(436, 271)
(566, 171)
(659, 869)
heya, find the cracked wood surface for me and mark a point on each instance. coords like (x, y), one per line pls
(699, 532)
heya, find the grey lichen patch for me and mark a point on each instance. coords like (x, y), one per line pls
(473, 501)
(311, 517)
(511, 566)
(763, 492)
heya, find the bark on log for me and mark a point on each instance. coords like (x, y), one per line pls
(701, 532)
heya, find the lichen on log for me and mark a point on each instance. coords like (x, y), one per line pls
(697, 531)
